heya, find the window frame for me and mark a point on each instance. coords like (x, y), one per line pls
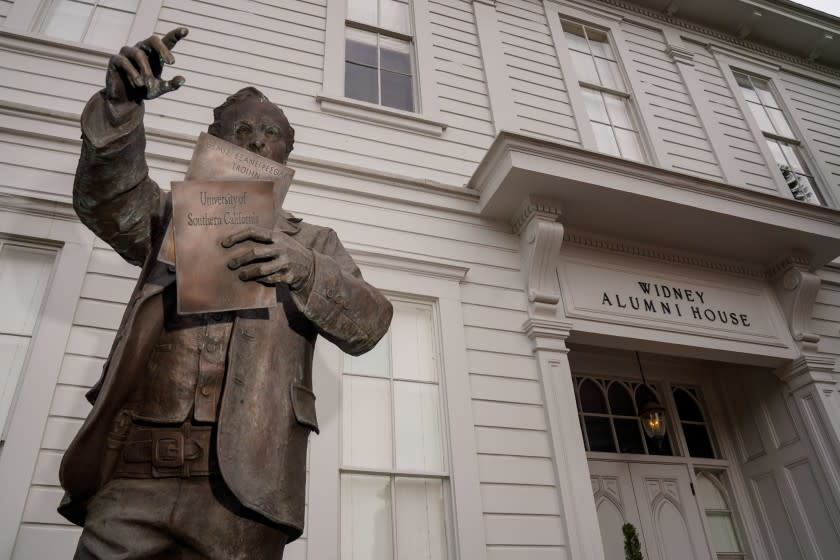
(609, 25)
(27, 18)
(434, 283)
(729, 65)
(444, 476)
(426, 119)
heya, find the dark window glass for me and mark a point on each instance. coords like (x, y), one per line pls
(698, 441)
(592, 397)
(687, 406)
(395, 61)
(360, 82)
(659, 447)
(600, 434)
(361, 53)
(620, 400)
(629, 434)
(397, 91)
(644, 395)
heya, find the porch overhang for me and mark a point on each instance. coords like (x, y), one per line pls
(628, 200)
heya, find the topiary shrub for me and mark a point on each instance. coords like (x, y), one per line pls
(632, 546)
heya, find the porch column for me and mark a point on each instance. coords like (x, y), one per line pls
(541, 236)
(815, 388)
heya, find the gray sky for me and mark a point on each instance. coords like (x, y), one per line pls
(828, 6)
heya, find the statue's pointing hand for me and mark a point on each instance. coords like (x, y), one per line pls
(277, 258)
(135, 73)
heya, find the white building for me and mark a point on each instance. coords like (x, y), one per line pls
(558, 195)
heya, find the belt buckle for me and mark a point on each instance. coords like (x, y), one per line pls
(167, 448)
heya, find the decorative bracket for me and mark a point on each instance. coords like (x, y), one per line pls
(796, 289)
(681, 55)
(541, 237)
(823, 42)
(746, 27)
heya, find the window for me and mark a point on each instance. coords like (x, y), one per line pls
(609, 416)
(25, 272)
(103, 23)
(780, 138)
(379, 65)
(394, 475)
(605, 93)
(698, 438)
(723, 533)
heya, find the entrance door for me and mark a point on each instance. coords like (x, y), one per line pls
(657, 499)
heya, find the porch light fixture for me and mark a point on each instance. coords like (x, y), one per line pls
(652, 414)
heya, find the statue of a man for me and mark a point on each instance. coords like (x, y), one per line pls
(196, 443)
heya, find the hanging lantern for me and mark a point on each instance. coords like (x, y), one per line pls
(651, 413)
(653, 420)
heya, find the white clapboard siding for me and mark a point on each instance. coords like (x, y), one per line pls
(675, 118)
(539, 89)
(752, 170)
(5, 6)
(817, 107)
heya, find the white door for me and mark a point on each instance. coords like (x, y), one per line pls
(657, 500)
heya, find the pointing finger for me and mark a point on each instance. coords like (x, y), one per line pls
(171, 38)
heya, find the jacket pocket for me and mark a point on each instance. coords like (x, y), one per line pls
(303, 405)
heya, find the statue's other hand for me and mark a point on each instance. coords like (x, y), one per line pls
(277, 258)
(134, 74)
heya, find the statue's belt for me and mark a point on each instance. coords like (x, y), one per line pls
(182, 451)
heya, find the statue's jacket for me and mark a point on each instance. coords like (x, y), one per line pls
(267, 407)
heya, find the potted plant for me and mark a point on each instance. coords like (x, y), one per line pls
(632, 546)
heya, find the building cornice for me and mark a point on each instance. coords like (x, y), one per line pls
(722, 36)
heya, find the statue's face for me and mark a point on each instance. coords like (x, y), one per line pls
(257, 126)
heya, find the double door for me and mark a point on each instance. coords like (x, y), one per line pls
(658, 500)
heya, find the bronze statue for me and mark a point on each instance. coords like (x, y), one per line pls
(196, 443)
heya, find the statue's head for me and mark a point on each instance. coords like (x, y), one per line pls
(248, 119)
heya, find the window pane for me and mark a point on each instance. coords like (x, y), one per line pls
(109, 28)
(420, 521)
(575, 37)
(24, 274)
(374, 362)
(395, 55)
(620, 400)
(413, 342)
(746, 89)
(366, 518)
(418, 427)
(585, 67)
(710, 496)
(762, 88)
(366, 422)
(630, 144)
(595, 105)
(697, 439)
(12, 356)
(687, 407)
(780, 122)
(609, 74)
(592, 397)
(723, 532)
(361, 47)
(360, 83)
(618, 111)
(792, 157)
(393, 16)
(659, 447)
(807, 190)
(599, 43)
(600, 434)
(776, 150)
(761, 118)
(363, 11)
(605, 139)
(397, 91)
(629, 434)
(69, 20)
